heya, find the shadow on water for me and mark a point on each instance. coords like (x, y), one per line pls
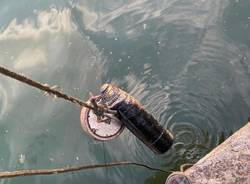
(185, 61)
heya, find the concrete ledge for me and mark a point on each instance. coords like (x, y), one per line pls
(228, 163)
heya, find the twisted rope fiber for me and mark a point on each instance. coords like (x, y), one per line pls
(30, 172)
(45, 87)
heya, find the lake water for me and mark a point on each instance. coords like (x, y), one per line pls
(187, 61)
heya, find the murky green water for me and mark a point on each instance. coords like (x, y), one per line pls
(187, 61)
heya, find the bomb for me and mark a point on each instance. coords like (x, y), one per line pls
(132, 115)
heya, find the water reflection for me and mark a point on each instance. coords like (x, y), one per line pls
(178, 58)
(181, 69)
(48, 49)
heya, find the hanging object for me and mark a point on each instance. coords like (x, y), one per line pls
(129, 114)
(142, 124)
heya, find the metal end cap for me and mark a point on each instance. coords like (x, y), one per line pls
(104, 88)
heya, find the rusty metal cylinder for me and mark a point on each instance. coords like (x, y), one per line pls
(141, 123)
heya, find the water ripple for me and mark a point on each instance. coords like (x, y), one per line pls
(185, 80)
(174, 56)
(3, 100)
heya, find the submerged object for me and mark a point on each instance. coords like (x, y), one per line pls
(130, 114)
(141, 123)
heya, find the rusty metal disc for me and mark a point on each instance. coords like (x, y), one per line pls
(100, 130)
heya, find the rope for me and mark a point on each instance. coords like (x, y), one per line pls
(30, 172)
(99, 111)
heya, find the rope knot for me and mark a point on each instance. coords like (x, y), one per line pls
(97, 109)
(101, 112)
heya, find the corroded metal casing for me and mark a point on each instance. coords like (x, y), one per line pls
(141, 123)
(100, 130)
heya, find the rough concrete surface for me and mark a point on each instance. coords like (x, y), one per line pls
(228, 163)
